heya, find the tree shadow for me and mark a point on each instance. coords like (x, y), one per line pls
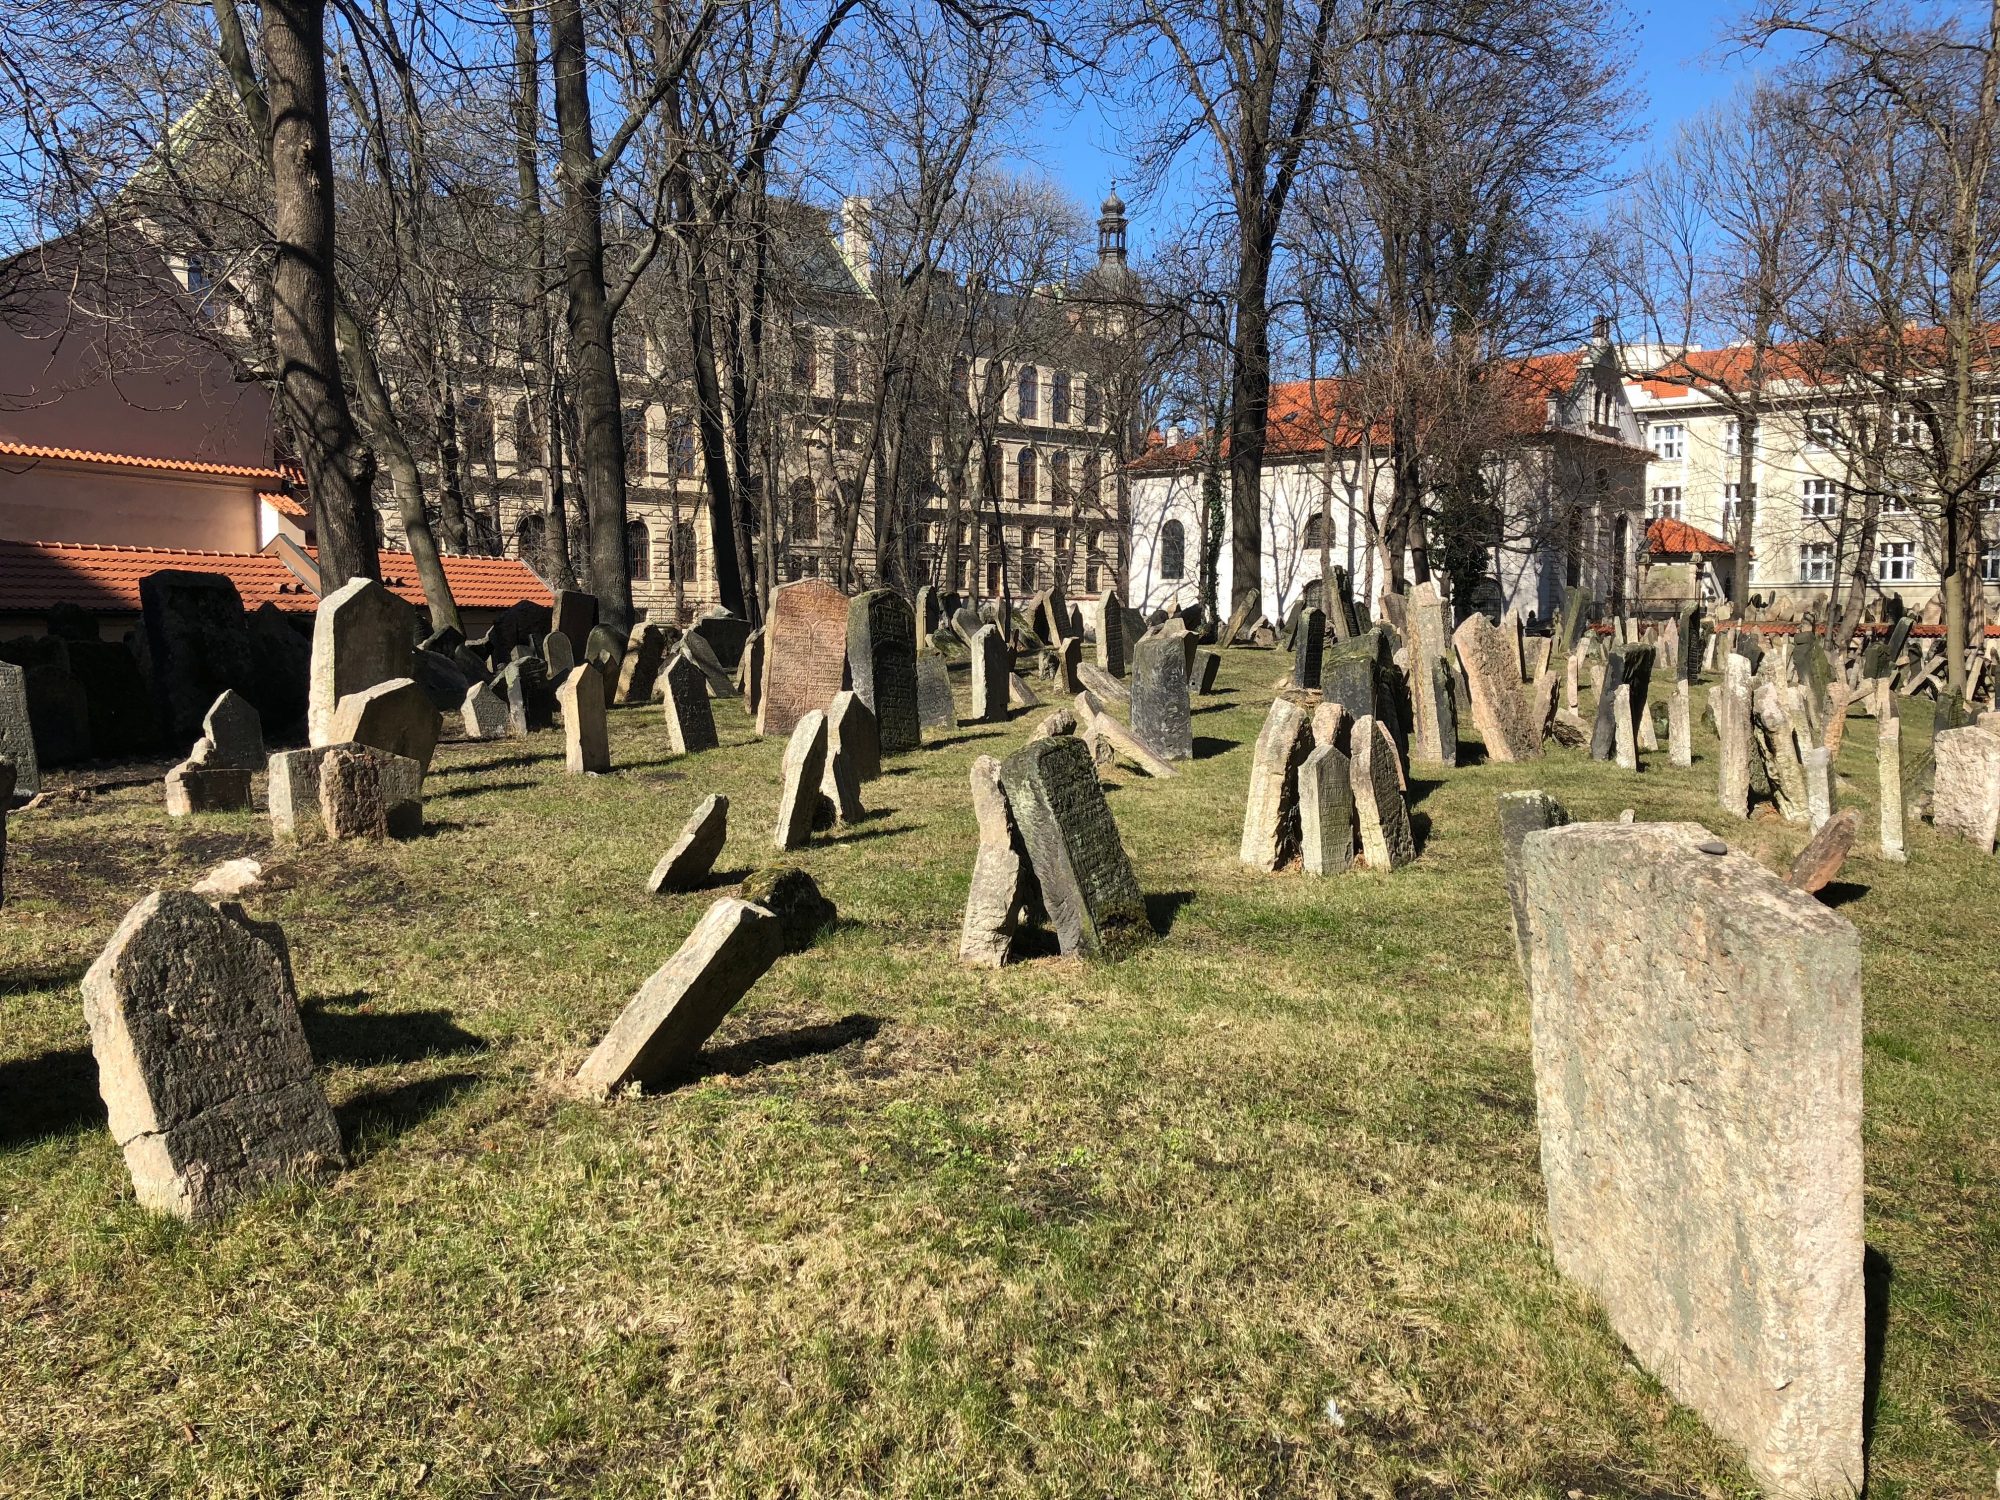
(372, 1119)
(482, 788)
(752, 1053)
(1208, 746)
(840, 836)
(1163, 906)
(49, 977)
(1839, 892)
(982, 732)
(1420, 831)
(1420, 789)
(502, 763)
(53, 1093)
(339, 1031)
(1877, 1273)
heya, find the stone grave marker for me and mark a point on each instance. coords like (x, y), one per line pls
(1111, 634)
(235, 730)
(1500, 707)
(1729, 701)
(291, 790)
(396, 716)
(1111, 740)
(1818, 765)
(1085, 880)
(17, 734)
(197, 645)
(362, 635)
(1680, 731)
(1696, 1027)
(723, 634)
(1207, 665)
(1069, 657)
(929, 615)
(799, 790)
(586, 736)
(1271, 810)
(805, 654)
(1240, 618)
(1625, 749)
(193, 788)
(484, 713)
(531, 698)
(687, 864)
(1160, 712)
(1825, 852)
(1889, 771)
(1776, 741)
(1100, 682)
(201, 1061)
(574, 617)
(882, 656)
(558, 655)
(1001, 879)
(1965, 789)
(989, 676)
(1523, 813)
(1019, 694)
(645, 650)
(1379, 807)
(1430, 640)
(851, 731)
(6, 803)
(1309, 644)
(689, 715)
(935, 708)
(1326, 811)
(369, 793)
(750, 669)
(839, 787)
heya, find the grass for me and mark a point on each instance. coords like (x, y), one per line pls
(915, 1230)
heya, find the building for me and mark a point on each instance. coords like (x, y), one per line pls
(1567, 479)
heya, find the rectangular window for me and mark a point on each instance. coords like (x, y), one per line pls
(1668, 441)
(1732, 442)
(1731, 493)
(1989, 563)
(1903, 428)
(1059, 398)
(1816, 562)
(1896, 501)
(1664, 503)
(1819, 498)
(1822, 430)
(1896, 562)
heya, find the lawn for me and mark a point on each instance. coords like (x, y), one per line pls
(1254, 1211)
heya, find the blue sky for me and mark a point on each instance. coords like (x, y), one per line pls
(1680, 67)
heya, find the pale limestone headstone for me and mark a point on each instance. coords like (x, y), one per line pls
(645, 649)
(1819, 786)
(1379, 809)
(1081, 869)
(840, 774)
(799, 791)
(558, 655)
(291, 791)
(1523, 813)
(1730, 701)
(852, 731)
(192, 788)
(369, 793)
(1776, 740)
(484, 713)
(1430, 641)
(1697, 1048)
(1889, 770)
(397, 716)
(679, 1007)
(1271, 810)
(1326, 811)
(687, 864)
(1648, 733)
(1000, 875)
(1096, 680)
(586, 736)
(1019, 694)
(1500, 708)
(362, 635)
(1680, 732)
(1625, 749)
(1965, 794)
(201, 1060)
(1112, 740)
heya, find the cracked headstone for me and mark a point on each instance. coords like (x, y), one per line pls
(1500, 708)
(1001, 880)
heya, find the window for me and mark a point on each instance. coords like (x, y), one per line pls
(1028, 558)
(1819, 498)
(475, 429)
(1896, 500)
(1026, 490)
(1732, 441)
(527, 440)
(1059, 492)
(805, 512)
(1312, 536)
(805, 359)
(1173, 552)
(1059, 398)
(1822, 429)
(638, 551)
(1989, 563)
(1903, 428)
(1668, 441)
(530, 536)
(634, 421)
(1089, 489)
(1093, 403)
(1816, 562)
(686, 560)
(1731, 495)
(1664, 503)
(846, 377)
(1896, 562)
(1028, 391)
(680, 449)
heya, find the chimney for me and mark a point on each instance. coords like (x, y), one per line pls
(1173, 433)
(1600, 330)
(856, 246)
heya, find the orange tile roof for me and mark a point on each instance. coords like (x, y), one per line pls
(284, 503)
(1669, 535)
(12, 449)
(1802, 362)
(476, 582)
(35, 576)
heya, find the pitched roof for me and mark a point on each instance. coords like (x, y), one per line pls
(36, 576)
(10, 448)
(1667, 535)
(284, 503)
(476, 582)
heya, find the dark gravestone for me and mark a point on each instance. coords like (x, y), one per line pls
(281, 658)
(441, 681)
(1604, 728)
(17, 735)
(690, 720)
(1446, 689)
(1341, 616)
(724, 634)
(1576, 609)
(1689, 644)
(1206, 665)
(1750, 648)
(198, 642)
(1358, 675)
(882, 658)
(603, 650)
(1815, 671)
(123, 718)
(929, 616)
(515, 626)
(935, 709)
(1523, 813)
(645, 649)
(531, 697)
(805, 653)
(1308, 645)
(1111, 634)
(1086, 881)
(1160, 714)
(70, 622)
(575, 615)
(58, 709)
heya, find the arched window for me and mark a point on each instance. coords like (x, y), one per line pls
(687, 557)
(846, 377)
(638, 551)
(961, 378)
(1026, 490)
(805, 359)
(680, 452)
(634, 420)
(530, 538)
(475, 430)
(1090, 489)
(1028, 390)
(1093, 403)
(1314, 529)
(1059, 398)
(805, 512)
(527, 440)
(1173, 551)
(1059, 492)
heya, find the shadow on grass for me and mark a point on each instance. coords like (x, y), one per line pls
(1420, 789)
(54, 1093)
(371, 1120)
(501, 763)
(339, 1031)
(841, 836)
(1207, 746)
(1840, 892)
(1877, 1273)
(1420, 831)
(481, 788)
(981, 732)
(63, 976)
(1163, 906)
(752, 1053)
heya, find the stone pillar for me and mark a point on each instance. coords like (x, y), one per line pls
(1889, 767)
(1625, 746)
(1680, 732)
(1730, 700)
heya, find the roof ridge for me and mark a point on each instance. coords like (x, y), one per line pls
(18, 449)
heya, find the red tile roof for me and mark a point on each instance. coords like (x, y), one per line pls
(476, 582)
(12, 449)
(284, 503)
(37, 575)
(1677, 537)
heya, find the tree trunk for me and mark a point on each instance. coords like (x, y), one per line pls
(340, 469)
(1249, 408)
(589, 319)
(1746, 511)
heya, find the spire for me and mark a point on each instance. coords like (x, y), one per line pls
(1111, 230)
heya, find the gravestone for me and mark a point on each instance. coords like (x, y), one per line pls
(1965, 789)
(193, 788)
(1001, 880)
(1776, 741)
(558, 655)
(1207, 665)
(1271, 810)
(362, 635)
(531, 697)
(1326, 811)
(689, 715)
(1430, 640)
(687, 864)
(1069, 657)
(1240, 618)
(1111, 740)
(197, 647)
(17, 735)
(124, 719)
(805, 654)
(1824, 853)
(1500, 708)
(1081, 870)
(1444, 694)
(678, 1008)
(965, 623)
(58, 708)
(1624, 747)
(1111, 634)
(928, 614)
(484, 713)
(1889, 773)
(1379, 809)
(369, 793)
(1160, 712)
(851, 731)
(291, 790)
(1680, 729)
(586, 737)
(235, 731)
(935, 709)
(798, 795)
(201, 1061)
(440, 678)
(882, 656)
(396, 716)
(989, 676)
(1604, 728)
(604, 649)
(1523, 813)
(574, 617)
(1019, 694)
(1819, 786)
(751, 670)
(1729, 702)
(1697, 1047)
(6, 802)
(724, 634)
(1308, 645)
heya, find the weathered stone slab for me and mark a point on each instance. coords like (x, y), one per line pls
(1697, 1047)
(1729, 701)
(1499, 703)
(1271, 810)
(197, 645)
(1111, 634)
(1776, 741)
(6, 803)
(291, 791)
(484, 713)
(362, 635)
(934, 703)
(1001, 880)
(750, 672)
(396, 716)
(1207, 665)
(1240, 618)
(1965, 791)
(1625, 749)
(235, 730)
(851, 731)
(690, 716)
(1380, 811)
(645, 649)
(201, 1060)
(1326, 811)
(558, 655)
(882, 657)
(17, 734)
(840, 774)
(1819, 786)
(1680, 730)
(531, 697)
(1056, 721)
(574, 617)
(1019, 694)
(1111, 740)
(193, 788)
(1160, 710)
(586, 736)
(1825, 853)
(990, 673)
(723, 634)
(1086, 881)
(1308, 647)
(1889, 797)
(1430, 641)
(805, 654)
(799, 790)
(368, 793)
(687, 864)
(1523, 813)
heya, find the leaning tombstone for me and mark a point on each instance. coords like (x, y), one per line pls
(851, 730)
(1101, 683)
(1824, 853)
(934, 704)
(1207, 665)
(193, 788)
(1160, 712)
(1523, 813)
(989, 676)
(1271, 810)
(688, 863)
(1965, 789)
(882, 658)
(366, 793)
(203, 1066)
(1081, 869)
(397, 716)
(1019, 694)
(1500, 707)
(1001, 881)
(645, 649)
(484, 713)
(531, 698)
(1697, 1047)
(1240, 618)
(558, 655)
(799, 790)
(1730, 701)
(1111, 740)
(839, 786)
(1380, 810)
(690, 716)
(362, 635)
(1069, 657)
(1430, 640)
(1308, 644)
(235, 730)
(1326, 811)
(750, 668)
(586, 737)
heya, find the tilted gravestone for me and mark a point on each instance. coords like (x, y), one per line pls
(1380, 811)
(799, 793)
(574, 617)
(688, 863)
(689, 715)
(369, 793)
(586, 737)
(934, 704)
(1326, 811)
(990, 673)
(531, 697)
(1697, 1045)
(1160, 712)
(805, 654)
(484, 713)
(1523, 813)
(1500, 707)
(1240, 618)
(723, 634)
(235, 730)
(929, 614)
(1308, 644)
(17, 734)
(558, 655)
(441, 679)
(1965, 788)
(1271, 810)
(1207, 665)
(882, 659)
(201, 1060)
(851, 730)
(1086, 880)
(839, 783)
(1627, 667)
(396, 716)
(362, 635)
(645, 649)
(1001, 878)
(750, 672)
